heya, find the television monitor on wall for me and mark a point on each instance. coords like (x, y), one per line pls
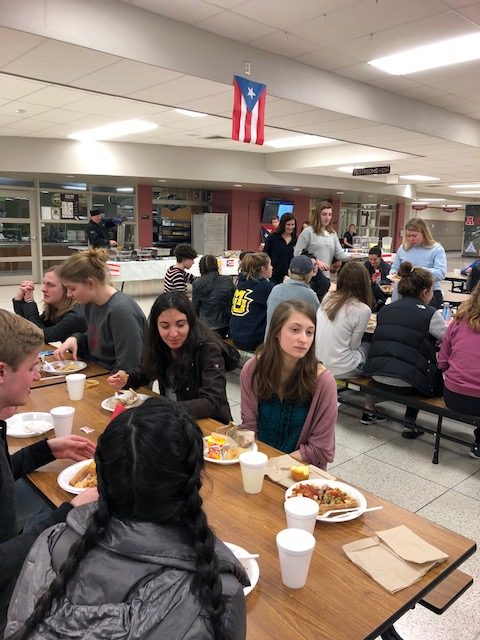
(274, 208)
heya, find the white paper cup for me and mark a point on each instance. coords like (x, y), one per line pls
(252, 464)
(295, 548)
(301, 513)
(75, 385)
(456, 271)
(62, 418)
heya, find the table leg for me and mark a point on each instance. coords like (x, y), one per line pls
(390, 634)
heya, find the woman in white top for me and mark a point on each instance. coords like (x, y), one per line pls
(321, 239)
(341, 322)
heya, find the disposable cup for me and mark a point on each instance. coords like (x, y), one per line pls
(301, 513)
(62, 418)
(295, 548)
(75, 385)
(252, 464)
(456, 271)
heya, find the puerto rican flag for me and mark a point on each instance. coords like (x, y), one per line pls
(248, 110)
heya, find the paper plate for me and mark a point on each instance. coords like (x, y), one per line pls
(252, 447)
(60, 367)
(351, 491)
(109, 403)
(67, 474)
(250, 565)
(26, 425)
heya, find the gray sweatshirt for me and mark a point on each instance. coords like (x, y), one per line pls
(324, 247)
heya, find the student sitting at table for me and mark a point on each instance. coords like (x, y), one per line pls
(287, 397)
(143, 562)
(115, 322)
(186, 357)
(212, 296)
(319, 283)
(60, 317)
(249, 305)
(459, 359)
(20, 343)
(176, 277)
(402, 353)
(377, 268)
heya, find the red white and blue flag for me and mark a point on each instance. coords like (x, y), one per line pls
(248, 110)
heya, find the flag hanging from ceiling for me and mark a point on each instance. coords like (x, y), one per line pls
(248, 110)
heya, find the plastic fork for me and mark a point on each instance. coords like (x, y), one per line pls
(328, 514)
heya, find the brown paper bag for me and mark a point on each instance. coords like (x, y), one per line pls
(395, 558)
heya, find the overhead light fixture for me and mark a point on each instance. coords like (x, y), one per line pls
(296, 189)
(431, 56)
(162, 180)
(469, 193)
(419, 178)
(113, 130)
(345, 169)
(70, 176)
(298, 141)
(420, 203)
(191, 114)
(340, 193)
(473, 185)
(238, 185)
(432, 199)
(124, 189)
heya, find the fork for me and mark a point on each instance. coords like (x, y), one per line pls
(328, 514)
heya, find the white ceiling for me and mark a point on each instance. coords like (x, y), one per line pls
(50, 88)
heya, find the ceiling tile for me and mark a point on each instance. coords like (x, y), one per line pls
(59, 62)
(13, 88)
(284, 44)
(16, 43)
(241, 28)
(31, 110)
(327, 59)
(53, 96)
(179, 91)
(125, 77)
(191, 11)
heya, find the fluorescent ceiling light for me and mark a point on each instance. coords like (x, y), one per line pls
(469, 193)
(464, 186)
(298, 141)
(191, 114)
(124, 189)
(113, 130)
(432, 199)
(419, 177)
(238, 185)
(431, 56)
(425, 203)
(296, 189)
(345, 169)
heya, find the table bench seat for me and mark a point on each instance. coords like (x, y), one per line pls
(434, 406)
(444, 595)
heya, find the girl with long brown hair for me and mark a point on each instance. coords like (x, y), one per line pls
(280, 245)
(60, 317)
(459, 359)
(287, 397)
(321, 239)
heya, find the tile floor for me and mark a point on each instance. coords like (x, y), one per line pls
(380, 460)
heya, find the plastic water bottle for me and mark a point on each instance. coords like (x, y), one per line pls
(446, 312)
(377, 276)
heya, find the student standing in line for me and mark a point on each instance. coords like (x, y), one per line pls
(459, 359)
(176, 277)
(115, 322)
(61, 316)
(20, 343)
(349, 235)
(321, 239)
(287, 397)
(280, 245)
(249, 305)
(421, 250)
(143, 561)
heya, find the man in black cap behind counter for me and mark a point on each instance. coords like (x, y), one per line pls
(97, 229)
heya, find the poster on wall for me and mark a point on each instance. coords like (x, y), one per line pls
(471, 231)
(69, 206)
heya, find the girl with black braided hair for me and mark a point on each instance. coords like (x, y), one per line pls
(143, 563)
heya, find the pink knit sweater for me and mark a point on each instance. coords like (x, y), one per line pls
(317, 438)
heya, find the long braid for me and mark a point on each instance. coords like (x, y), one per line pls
(206, 583)
(96, 527)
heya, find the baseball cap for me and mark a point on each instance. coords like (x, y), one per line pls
(96, 212)
(301, 265)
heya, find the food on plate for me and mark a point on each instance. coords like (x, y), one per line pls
(300, 472)
(328, 498)
(85, 477)
(91, 383)
(220, 447)
(127, 398)
(70, 367)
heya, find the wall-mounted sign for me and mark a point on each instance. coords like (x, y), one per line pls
(371, 171)
(471, 230)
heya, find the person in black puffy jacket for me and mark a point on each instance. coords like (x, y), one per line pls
(212, 296)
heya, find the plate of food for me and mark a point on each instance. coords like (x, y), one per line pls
(63, 367)
(331, 495)
(78, 477)
(128, 399)
(221, 449)
(249, 564)
(26, 425)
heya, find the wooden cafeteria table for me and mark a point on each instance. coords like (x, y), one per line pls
(339, 602)
(457, 280)
(91, 371)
